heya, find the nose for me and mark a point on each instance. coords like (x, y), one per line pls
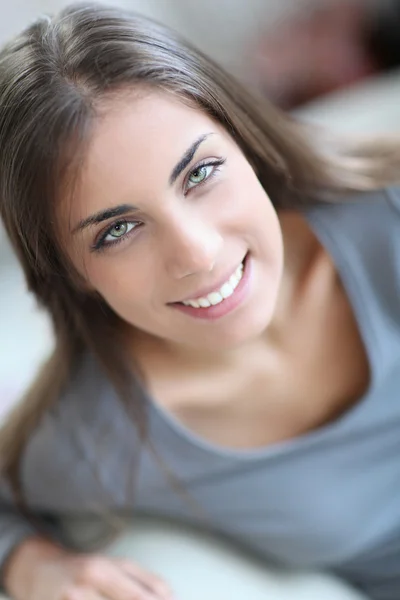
(191, 248)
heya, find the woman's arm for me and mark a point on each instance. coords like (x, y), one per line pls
(22, 562)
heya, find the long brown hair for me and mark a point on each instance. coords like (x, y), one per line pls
(52, 78)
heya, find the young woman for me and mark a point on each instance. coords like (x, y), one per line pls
(224, 288)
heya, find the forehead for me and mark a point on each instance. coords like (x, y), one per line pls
(135, 142)
(147, 129)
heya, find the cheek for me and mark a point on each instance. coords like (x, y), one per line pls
(251, 208)
(260, 222)
(119, 282)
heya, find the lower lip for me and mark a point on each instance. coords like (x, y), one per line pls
(226, 306)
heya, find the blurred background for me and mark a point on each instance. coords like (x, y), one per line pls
(333, 62)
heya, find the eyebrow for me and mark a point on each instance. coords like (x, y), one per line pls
(122, 209)
(187, 158)
(104, 215)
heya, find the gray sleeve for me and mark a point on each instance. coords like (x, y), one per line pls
(72, 465)
(14, 528)
(46, 463)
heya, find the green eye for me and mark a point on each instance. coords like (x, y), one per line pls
(202, 173)
(199, 175)
(118, 230)
(115, 234)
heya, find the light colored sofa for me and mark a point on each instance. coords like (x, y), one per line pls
(200, 567)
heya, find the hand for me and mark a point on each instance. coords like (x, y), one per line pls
(54, 574)
(96, 578)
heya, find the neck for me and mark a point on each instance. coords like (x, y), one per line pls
(191, 357)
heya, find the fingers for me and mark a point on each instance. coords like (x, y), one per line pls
(114, 583)
(80, 593)
(125, 588)
(101, 578)
(150, 582)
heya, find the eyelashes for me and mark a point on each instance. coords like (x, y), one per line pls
(124, 225)
(124, 228)
(202, 168)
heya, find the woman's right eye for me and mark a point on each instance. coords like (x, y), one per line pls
(115, 234)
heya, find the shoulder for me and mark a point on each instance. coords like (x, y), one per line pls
(371, 225)
(87, 429)
(368, 221)
(85, 392)
(89, 403)
(362, 232)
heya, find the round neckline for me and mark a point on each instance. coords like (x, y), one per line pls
(334, 244)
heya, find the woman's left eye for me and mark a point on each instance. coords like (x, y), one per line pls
(115, 234)
(119, 230)
(201, 173)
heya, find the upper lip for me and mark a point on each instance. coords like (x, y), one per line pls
(211, 288)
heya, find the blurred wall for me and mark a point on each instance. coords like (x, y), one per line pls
(221, 27)
(19, 12)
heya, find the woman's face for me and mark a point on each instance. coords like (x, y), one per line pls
(170, 225)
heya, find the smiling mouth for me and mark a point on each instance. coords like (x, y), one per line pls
(223, 300)
(219, 295)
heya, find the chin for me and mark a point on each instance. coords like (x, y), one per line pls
(246, 331)
(229, 335)
(247, 322)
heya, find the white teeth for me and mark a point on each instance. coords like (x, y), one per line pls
(218, 296)
(194, 303)
(234, 280)
(204, 303)
(226, 290)
(215, 298)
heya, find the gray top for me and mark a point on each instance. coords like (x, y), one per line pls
(329, 499)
